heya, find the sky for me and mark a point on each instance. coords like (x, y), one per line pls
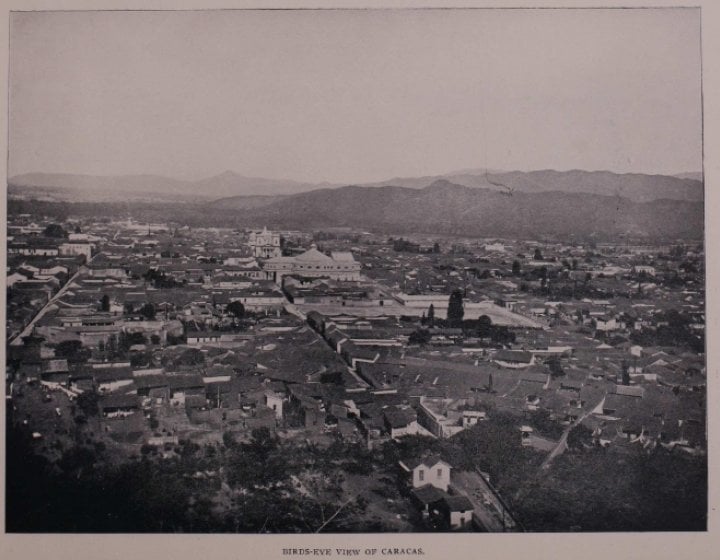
(354, 96)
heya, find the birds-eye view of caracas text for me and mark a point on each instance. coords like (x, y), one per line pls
(489, 352)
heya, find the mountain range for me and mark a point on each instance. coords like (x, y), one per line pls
(449, 208)
(635, 186)
(472, 202)
(90, 188)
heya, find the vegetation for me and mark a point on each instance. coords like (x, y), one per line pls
(73, 351)
(420, 336)
(88, 403)
(56, 231)
(148, 311)
(659, 491)
(455, 310)
(554, 364)
(237, 309)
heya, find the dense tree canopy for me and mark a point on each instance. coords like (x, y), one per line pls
(455, 310)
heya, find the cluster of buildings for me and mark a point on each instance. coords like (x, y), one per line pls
(189, 334)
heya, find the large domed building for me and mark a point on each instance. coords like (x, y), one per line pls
(314, 264)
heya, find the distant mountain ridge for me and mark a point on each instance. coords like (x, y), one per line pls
(634, 186)
(512, 204)
(449, 208)
(93, 187)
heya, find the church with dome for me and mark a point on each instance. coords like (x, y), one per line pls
(312, 263)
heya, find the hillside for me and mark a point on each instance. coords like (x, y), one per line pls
(634, 186)
(445, 207)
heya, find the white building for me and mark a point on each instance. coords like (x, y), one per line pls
(265, 244)
(314, 264)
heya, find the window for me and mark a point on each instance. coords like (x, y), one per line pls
(439, 473)
(421, 475)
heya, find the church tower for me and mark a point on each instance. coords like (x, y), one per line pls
(265, 244)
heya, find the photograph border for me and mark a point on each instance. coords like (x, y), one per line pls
(654, 546)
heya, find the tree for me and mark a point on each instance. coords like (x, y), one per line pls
(105, 303)
(140, 359)
(431, 315)
(237, 309)
(332, 377)
(625, 373)
(516, 268)
(455, 310)
(88, 402)
(191, 357)
(484, 326)
(538, 254)
(55, 230)
(130, 339)
(73, 351)
(420, 336)
(148, 311)
(228, 440)
(556, 369)
(112, 346)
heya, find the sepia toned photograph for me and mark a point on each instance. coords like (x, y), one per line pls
(376, 271)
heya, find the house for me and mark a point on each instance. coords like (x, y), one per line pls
(526, 433)
(218, 374)
(400, 422)
(198, 338)
(429, 470)
(195, 402)
(16, 277)
(456, 510)
(55, 371)
(112, 378)
(542, 379)
(644, 269)
(571, 385)
(81, 381)
(472, 417)
(182, 387)
(152, 382)
(114, 406)
(346, 427)
(274, 401)
(440, 416)
(312, 417)
(629, 391)
(426, 497)
(75, 248)
(621, 401)
(514, 359)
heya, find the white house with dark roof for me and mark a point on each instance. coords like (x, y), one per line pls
(429, 470)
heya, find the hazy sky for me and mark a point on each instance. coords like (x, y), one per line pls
(353, 96)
